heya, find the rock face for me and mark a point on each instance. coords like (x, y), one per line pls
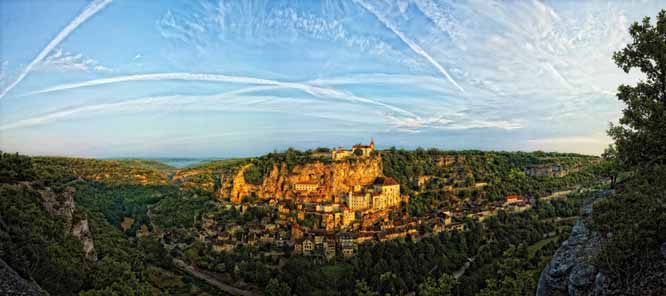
(62, 205)
(332, 179)
(570, 271)
(240, 187)
(11, 283)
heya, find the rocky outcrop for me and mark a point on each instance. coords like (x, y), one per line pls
(332, 179)
(81, 230)
(11, 283)
(570, 271)
(241, 188)
(62, 205)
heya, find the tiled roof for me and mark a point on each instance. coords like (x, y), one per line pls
(385, 181)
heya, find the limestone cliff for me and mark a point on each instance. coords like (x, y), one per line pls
(240, 187)
(571, 271)
(332, 179)
(62, 205)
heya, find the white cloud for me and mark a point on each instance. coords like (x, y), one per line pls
(317, 91)
(257, 23)
(415, 47)
(88, 12)
(63, 61)
(236, 100)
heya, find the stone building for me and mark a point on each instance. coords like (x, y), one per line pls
(308, 186)
(544, 170)
(387, 191)
(384, 193)
(365, 151)
(358, 201)
(308, 247)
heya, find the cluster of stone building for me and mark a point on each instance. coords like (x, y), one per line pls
(513, 203)
(325, 228)
(545, 170)
(354, 208)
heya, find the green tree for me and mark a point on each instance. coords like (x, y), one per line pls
(277, 288)
(253, 175)
(444, 286)
(358, 152)
(641, 133)
(362, 289)
(610, 165)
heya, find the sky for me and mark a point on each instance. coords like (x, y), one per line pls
(128, 78)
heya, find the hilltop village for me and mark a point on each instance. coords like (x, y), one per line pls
(327, 211)
(246, 221)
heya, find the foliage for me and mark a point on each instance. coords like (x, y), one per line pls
(253, 175)
(501, 170)
(277, 288)
(444, 286)
(116, 202)
(633, 219)
(636, 217)
(641, 133)
(15, 168)
(58, 171)
(35, 244)
(40, 246)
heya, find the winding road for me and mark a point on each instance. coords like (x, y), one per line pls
(193, 271)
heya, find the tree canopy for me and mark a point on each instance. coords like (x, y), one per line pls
(641, 133)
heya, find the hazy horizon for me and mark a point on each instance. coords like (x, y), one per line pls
(242, 78)
(200, 159)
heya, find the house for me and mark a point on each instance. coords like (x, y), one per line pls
(308, 247)
(348, 216)
(358, 201)
(306, 186)
(510, 199)
(387, 193)
(348, 252)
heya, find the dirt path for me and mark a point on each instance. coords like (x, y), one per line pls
(211, 280)
(556, 195)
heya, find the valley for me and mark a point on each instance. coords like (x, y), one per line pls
(314, 221)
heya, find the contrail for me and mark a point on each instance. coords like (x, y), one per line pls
(156, 101)
(316, 91)
(91, 10)
(415, 47)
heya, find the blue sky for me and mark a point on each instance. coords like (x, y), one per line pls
(236, 78)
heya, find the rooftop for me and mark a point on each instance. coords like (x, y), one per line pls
(385, 181)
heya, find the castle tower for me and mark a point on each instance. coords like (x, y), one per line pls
(372, 144)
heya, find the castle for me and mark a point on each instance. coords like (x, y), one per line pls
(364, 151)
